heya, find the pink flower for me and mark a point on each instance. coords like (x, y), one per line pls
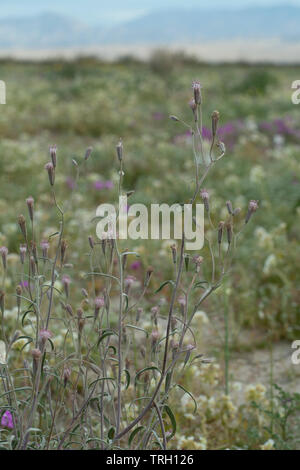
(45, 335)
(7, 420)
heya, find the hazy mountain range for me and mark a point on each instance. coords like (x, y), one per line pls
(51, 30)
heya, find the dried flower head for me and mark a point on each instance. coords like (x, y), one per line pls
(205, 198)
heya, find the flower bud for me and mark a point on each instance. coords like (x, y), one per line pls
(119, 148)
(30, 205)
(252, 207)
(197, 92)
(51, 173)
(53, 155)
(23, 250)
(229, 207)
(4, 252)
(214, 122)
(205, 197)
(220, 231)
(22, 224)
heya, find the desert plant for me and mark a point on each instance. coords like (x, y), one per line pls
(109, 382)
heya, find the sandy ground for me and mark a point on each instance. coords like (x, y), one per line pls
(272, 50)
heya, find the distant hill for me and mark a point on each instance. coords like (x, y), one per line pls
(161, 27)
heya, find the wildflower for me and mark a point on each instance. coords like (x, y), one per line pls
(135, 265)
(7, 420)
(4, 252)
(252, 207)
(44, 335)
(51, 174)
(197, 92)
(69, 309)
(23, 250)
(45, 247)
(154, 337)
(30, 205)
(148, 275)
(66, 282)
(99, 302)
(205, 197)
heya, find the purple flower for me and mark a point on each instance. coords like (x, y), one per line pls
(7, 420)
(135, 265)
(98, 185)
(24, 284)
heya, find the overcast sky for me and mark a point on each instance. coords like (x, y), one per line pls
(104, 11)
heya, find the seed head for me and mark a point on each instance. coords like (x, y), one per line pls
(88, 153)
